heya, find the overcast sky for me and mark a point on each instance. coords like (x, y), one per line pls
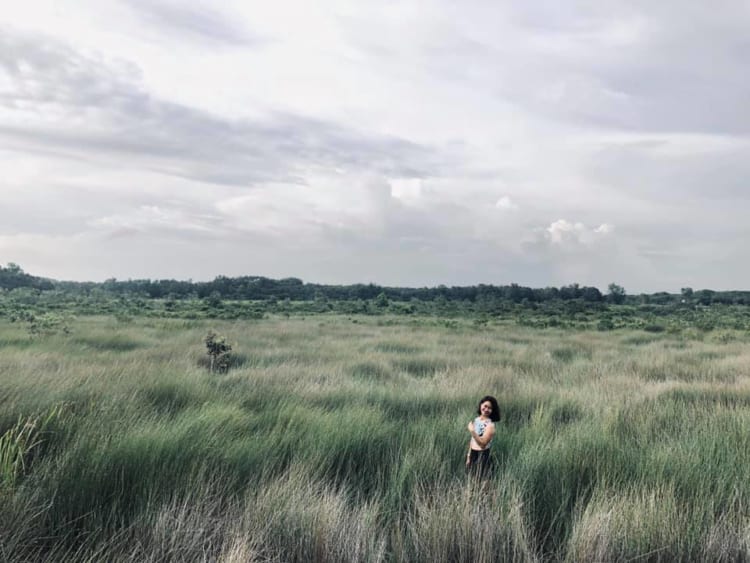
(398, 142)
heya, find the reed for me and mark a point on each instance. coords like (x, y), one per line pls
(335, 440)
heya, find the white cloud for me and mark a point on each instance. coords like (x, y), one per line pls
(563, 233)
(324, 202)
(506, 204)
(149, 218)
(407, 190)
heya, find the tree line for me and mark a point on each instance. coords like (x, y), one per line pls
(259, 288)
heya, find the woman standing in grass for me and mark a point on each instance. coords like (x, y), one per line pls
(482, 429)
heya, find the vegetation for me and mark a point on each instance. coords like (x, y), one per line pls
(47, 306)
(333, 427)
(12, 276)
(342, 438)
(218, 350)
(573, 307)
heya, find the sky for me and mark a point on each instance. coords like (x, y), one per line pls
(404, 143)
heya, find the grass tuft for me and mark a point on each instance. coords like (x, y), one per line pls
(421, 367)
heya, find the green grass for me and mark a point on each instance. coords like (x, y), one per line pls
(344, 441)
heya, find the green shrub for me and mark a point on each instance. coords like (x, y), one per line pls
(218, 350)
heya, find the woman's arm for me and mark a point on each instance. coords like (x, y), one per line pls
(483, 440)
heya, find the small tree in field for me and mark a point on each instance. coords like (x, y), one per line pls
(218, 350)
(616, 293)
(381, 301)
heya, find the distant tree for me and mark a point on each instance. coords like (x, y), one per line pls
(705, 296)
(661, 297)
(591, 294)
(687, 293)
(12, 277)
(361, 306)
(213, 301)
(572, 291)
(321, 301)
(616, 293)
(381, 301)
(549, 294)
(170, 304)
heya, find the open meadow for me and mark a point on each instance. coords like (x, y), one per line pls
(335, 438)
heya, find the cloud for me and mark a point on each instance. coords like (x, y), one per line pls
(630, 66)
(95, 109)
(193, 21)
(45, 79)
(407, 190)
(327, 203)
(673, 168)
(152, 218)
(564, 234)
(507, 204)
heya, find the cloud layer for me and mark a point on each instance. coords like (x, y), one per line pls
(405, 144)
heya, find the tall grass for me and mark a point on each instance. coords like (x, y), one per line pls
(344, 441)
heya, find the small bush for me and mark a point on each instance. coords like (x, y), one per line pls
(231, 360)
(218, 350)
(46, 324)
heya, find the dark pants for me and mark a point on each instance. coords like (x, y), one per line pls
(480, 464)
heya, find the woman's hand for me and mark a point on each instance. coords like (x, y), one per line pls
(471, 427)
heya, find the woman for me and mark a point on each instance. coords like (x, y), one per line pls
(482, 429)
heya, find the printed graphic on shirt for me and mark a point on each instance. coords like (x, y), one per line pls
(479, 426)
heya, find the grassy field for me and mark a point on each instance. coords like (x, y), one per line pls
(343, 439)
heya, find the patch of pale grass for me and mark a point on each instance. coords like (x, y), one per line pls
(654, 525)
(473, 523)
(643, 524)
(302, 519)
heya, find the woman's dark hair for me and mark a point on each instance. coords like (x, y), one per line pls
(495, 416)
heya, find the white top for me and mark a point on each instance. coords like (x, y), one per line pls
(479, 427)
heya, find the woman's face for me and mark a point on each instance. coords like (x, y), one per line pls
(485, 409)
